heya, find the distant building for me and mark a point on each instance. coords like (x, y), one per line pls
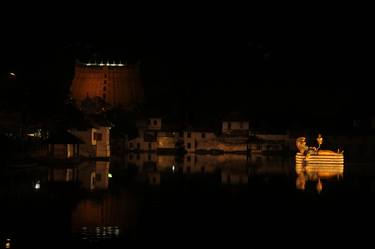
(63, 145)
(154, 137)
(235, 127)
(96, 141)
(116, 83)
(200, 141)
(269, 143)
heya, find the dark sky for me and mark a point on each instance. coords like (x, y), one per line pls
(273, 61)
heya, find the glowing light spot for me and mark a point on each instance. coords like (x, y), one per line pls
(12, 74)
(7, 243)
(37, 185)
(109, 175)
(173, 168)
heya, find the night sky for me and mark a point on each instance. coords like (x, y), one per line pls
(264, 63)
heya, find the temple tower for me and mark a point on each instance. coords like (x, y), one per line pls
(116, 83)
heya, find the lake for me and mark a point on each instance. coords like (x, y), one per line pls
(163, 199)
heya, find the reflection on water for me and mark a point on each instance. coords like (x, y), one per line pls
(104, 217)
(233, 168)
(92, 175)
(148, 191)
(317, 173)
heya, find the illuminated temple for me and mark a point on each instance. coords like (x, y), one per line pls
(116, 83)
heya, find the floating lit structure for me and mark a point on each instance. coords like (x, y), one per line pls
(312, 155)
(313, 164)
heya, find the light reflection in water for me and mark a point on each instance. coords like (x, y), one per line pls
(317, 172)
(92, 175)
(7, 243)
(233, 168)
(105, 216)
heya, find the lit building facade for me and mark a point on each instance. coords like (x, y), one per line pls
(117, 84)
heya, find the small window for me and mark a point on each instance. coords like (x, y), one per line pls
(203, 135)
(105, 82)
(98, 136)
(149, 146)
(189, 134)
(188, 158)
(131, 145)
(104, 88)
(155, 122)
(188, 145)
(105, 75)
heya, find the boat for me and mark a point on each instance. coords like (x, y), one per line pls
(314, 164)
(320, 159)
(315, 156)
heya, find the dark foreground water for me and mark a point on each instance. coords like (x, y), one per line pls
(173, 202)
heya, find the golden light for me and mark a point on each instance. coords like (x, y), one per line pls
(313, 164)
(7, 243)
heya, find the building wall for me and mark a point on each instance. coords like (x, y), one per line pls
(96, 142)
(154, 124)
(88, 148)
(138, 144)
(166, 140)
(199, 141)
(103, 145)
(117, 85)
(228, 126)
(61, 151)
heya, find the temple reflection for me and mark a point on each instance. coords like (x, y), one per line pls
(104, 217)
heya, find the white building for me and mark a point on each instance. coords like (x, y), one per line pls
(96, 141)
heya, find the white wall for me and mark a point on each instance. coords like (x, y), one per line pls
(154, 124)
(234, 125)
(103, 146)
